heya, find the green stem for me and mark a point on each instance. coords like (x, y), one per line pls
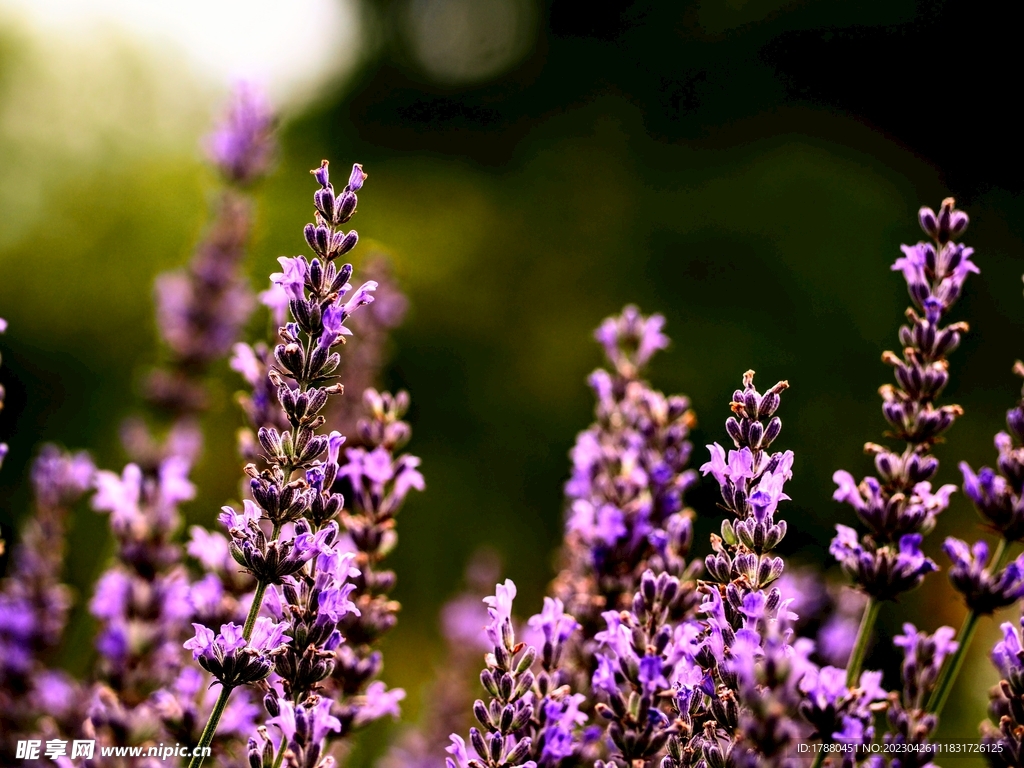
(254, 609)
(951, 669)
(222, 701)
(860, 647)
(820, 757)
(211, 728)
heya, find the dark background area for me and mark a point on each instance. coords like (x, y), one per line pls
(749, 169)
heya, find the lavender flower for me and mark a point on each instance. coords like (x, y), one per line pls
(751, 482)
(379, 480)
(234, 659)
(298, 555)
(530, 719)
(243, 146)
(883, 573)
(34, 604)
(142, 600)
(901, 500)
(625, 495)
(1006, 701)
(910, 722)
(740, 701)
(900, 506)
(984, 587)
(202, 308)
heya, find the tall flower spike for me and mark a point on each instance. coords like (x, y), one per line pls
(201, 309)
(742, 702)
(626, 493)
(293, 499)
(379, 478)
(899, 505)
(999, 498)
(142, 601)
(34, 604)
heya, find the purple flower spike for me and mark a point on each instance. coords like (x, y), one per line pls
(899, 505)
(34, 604)
(202, 307)
(242, 146)
(626, 494)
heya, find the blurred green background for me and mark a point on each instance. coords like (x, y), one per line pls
(746, 167)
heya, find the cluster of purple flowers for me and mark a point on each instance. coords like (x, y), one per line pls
(900, 506)
(626, 512)
(530, 718)
(268, 602)
(34, 604)
(201, 309)
(712, 672)
(263, 639)
(319, 588)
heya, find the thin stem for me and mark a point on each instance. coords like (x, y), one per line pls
(860, 647)
(820, 757)
(254, 609)
(211, 728)
(951, 669)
